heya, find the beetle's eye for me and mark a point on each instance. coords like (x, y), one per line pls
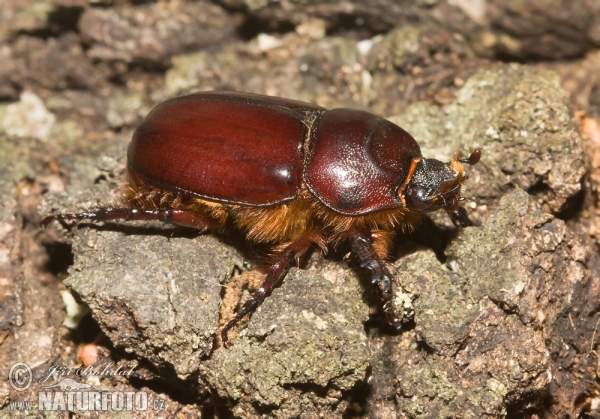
(418, 199)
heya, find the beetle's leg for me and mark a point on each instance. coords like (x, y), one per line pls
(460, 217)
(362, 246)
(275, 274)
(177, 217)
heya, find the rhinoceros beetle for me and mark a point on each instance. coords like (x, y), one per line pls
(286, 173)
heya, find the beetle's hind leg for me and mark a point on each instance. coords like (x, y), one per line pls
(182, 218)
(362, 246)
(275, 274)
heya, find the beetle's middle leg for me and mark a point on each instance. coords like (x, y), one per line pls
(362, 246)
(276, 272)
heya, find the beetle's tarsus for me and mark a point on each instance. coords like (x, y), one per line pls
(66, 217)
(362, 246)
(460, 218)
(273, 277)
(248, 308)
(177, 217)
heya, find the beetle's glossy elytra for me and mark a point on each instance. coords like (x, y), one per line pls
(287, 173)
(229, 148)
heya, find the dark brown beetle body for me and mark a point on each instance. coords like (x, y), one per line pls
(287, 173)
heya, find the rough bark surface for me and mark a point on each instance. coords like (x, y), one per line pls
(504, 314)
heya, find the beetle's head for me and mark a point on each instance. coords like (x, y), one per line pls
(434, 185)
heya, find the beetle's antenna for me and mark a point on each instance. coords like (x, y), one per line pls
(473, 158)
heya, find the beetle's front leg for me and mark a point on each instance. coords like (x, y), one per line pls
(276, 273)
(362, 246)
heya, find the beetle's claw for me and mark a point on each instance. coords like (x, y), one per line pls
(397, 324)
(392, 317)
(225, 339)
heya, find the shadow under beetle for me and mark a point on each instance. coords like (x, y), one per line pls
(286, 173)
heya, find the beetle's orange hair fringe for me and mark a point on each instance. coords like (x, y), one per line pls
(283, 223)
